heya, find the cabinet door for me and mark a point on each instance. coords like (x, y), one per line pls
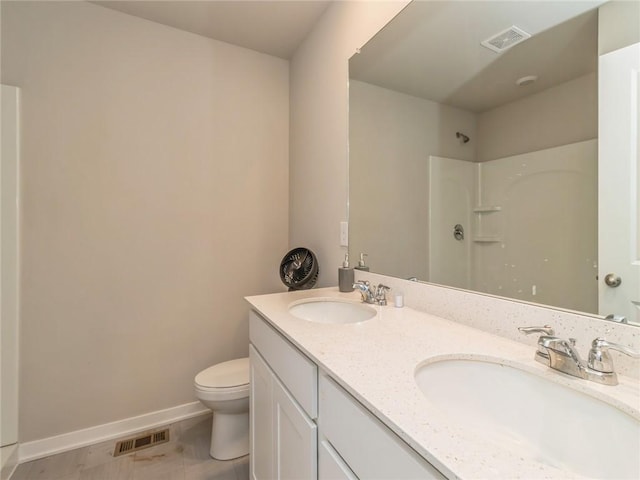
(295, 438)
(331, 466)
(261, 405)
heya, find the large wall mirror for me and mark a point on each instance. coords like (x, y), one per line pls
(473, 152)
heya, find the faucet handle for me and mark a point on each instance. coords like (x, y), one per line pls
(599, 357)
(602, 343)
(381, 294)
(547, 330)
(541, 355)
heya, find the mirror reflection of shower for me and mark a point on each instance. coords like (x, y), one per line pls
(436, 132)
(531, 222)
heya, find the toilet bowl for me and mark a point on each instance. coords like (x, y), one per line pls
(224, 388)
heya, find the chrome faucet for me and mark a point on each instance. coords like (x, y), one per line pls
(381, 294)
(561, 355)
(374, 295)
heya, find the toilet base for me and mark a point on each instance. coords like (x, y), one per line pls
(229, 435)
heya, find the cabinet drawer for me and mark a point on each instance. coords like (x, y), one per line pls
(366, 445)
(292, 367)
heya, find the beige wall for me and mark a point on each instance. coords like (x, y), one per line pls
(567, 113)
(319, 127)
(155, 180)
(618, 25)
(391, 137)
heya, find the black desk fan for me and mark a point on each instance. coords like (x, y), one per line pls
(299, 269)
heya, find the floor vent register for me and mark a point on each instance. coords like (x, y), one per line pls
(140, 442)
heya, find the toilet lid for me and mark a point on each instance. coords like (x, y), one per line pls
(224, 375)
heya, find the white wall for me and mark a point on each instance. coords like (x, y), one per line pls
(319, 127)
(155, 196)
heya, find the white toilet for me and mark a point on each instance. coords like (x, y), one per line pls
(224, 388)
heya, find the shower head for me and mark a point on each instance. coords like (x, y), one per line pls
(463, 138)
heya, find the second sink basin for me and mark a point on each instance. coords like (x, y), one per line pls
(535, 417)
(331, 310)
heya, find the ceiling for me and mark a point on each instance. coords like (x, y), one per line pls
(432, 50)
(274, 27)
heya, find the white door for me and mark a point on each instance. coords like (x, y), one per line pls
(10, 102)
(619, 181)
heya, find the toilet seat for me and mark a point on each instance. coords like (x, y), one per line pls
(221, 394)
(224, 381)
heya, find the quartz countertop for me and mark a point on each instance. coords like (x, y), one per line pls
(375, 361)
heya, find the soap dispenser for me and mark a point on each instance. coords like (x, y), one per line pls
(361, 265)
(345, 276)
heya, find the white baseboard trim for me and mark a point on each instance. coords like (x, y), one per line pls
(81, 438)
(8, 460)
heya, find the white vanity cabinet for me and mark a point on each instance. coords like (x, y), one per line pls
(306, 426)
(283, 407)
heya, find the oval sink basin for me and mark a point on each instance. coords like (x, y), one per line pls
(331, 310)
(535, 417)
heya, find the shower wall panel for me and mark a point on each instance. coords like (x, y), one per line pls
(541, 245)
(451, 194)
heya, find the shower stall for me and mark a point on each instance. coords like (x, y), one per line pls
(529, 223)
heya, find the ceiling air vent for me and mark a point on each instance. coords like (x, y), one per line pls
(144, 440)
(505, 39)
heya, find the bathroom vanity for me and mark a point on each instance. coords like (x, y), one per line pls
(304, 425)
(341, 400)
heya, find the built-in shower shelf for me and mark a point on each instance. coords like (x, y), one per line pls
(486, 209)
(486, 239)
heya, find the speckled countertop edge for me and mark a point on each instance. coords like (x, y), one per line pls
(375, 361)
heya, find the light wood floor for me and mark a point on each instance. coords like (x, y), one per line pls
(184, 457)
